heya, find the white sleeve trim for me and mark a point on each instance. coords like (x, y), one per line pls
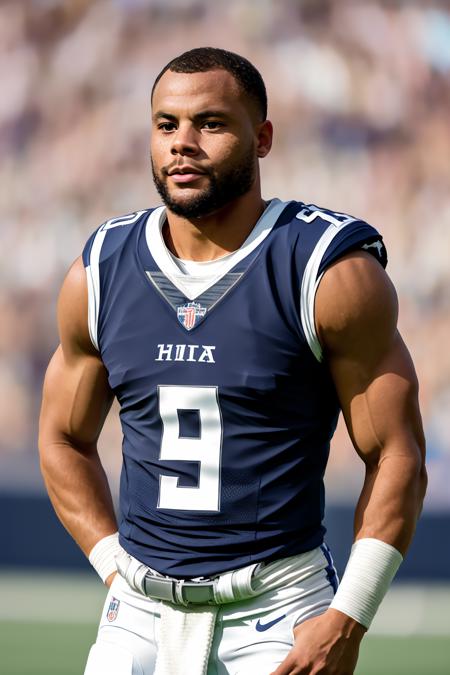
(310, 284)
(93, 285)
(93, 271)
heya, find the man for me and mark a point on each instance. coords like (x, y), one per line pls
(232, 331)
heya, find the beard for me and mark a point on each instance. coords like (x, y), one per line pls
(223, 188)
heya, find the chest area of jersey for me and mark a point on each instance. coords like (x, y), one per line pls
(246, 338)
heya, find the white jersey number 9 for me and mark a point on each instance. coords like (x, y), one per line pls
(205, 449)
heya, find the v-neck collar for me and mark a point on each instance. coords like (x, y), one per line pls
(190, 286)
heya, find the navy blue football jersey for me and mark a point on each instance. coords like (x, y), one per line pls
(226, 406)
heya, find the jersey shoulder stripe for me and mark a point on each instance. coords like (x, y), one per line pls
(92, 255)
(341, 233)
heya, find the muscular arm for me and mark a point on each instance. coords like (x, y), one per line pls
(356, 319)
(76, 400)
(356, 315)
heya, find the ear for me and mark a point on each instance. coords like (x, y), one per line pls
(264, 136)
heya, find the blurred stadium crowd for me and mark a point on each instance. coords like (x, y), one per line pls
(359, 92)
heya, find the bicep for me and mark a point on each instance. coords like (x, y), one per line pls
(372, 370)
(76, 399)
(76, 395)
(380, 402)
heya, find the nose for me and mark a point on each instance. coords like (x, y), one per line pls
(185, 141)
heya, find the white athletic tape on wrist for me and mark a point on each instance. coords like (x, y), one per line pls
(103, 556)
(370, 569)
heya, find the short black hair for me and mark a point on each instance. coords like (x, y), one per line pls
(202, 59)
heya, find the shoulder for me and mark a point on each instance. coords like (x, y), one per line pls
(356, 306)
(119, 227)
(325, 235)
(324, 238)
(73, 311)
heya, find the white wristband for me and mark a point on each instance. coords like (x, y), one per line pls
(370, 569)
(103, 556)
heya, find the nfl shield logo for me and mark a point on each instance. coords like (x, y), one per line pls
(113, 609)
(189, 314)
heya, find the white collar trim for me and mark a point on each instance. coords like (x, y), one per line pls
(183, 281)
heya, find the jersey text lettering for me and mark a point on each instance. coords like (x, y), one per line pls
(190, 353)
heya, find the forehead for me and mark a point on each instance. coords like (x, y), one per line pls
(192, 92)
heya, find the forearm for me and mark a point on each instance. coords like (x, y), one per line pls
(385, 520)
(391, 499)
(79, 491)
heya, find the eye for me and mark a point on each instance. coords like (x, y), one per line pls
(167, 126)
(213, 125)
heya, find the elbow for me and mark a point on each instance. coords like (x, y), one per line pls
(46, 457)
(414, 448)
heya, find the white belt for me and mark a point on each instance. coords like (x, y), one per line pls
(231, 586)
(228, 587)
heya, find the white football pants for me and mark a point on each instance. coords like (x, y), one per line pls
(251, 637)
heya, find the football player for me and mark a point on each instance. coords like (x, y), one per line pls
(232, 329)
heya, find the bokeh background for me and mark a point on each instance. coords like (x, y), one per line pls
(359, 94)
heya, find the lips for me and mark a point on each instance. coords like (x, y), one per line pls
(186, 168)
(185, 174)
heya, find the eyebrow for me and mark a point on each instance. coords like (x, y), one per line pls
(160, 114)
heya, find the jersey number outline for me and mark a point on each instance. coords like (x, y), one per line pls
(206, 449)
(310, 212)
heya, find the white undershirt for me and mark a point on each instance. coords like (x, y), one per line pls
(201, 268)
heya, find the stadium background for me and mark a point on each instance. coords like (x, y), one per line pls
(359, 93)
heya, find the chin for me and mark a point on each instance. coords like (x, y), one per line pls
(190, 201)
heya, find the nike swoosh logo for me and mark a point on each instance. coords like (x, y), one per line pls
(260, 627)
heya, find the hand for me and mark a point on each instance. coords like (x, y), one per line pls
(325, 645)
(110, 579)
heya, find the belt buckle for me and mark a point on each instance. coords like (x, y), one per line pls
(194, 593)
(159, 588)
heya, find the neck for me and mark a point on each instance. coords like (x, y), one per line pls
(216, 234)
